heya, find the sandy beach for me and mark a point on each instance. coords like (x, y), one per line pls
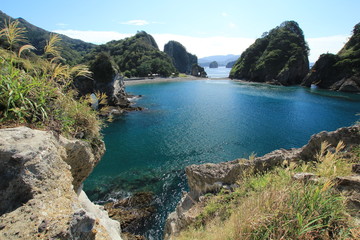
(129, 82)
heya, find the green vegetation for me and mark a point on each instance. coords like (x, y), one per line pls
(279, 56)
(37, 91)
(274, 206)
(181, 59)
(137, 56)
(333, 70)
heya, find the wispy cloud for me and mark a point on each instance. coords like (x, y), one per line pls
(208, 46)
(136, 22)
(224, 14)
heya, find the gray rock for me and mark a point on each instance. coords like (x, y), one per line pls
(37, 196)
(211, 177)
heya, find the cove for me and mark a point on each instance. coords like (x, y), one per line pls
(200, 121)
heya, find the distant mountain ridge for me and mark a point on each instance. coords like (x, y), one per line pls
(222, 60)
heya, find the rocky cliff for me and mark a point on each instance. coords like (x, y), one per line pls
(278, 57)
(181, 59)
(211, 178)
(40, 188)
(340, 72)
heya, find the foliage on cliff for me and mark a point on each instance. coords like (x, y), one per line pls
(280, 56)
(273, 205)
(338, 71)
(37, 90)
(72, 50)
(137, 56)
(181, 59)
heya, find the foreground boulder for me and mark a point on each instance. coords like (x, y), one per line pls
(40, 188)
(339, 72)
(211, 178)
(279, 57)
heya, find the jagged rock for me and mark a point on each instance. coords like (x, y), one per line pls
(37, 197)
(198, 71)
(350, 187)
(211, 177)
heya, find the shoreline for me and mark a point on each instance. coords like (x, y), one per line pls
(129, 82)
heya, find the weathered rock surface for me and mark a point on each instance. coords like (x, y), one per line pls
(212, 177)
(37, 195)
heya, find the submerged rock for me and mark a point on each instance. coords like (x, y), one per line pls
(132, 212)
(40, 188)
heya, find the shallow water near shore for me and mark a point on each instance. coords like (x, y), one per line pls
(195, 122)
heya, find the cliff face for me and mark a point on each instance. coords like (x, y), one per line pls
(40, 188)
(181, 59)
(279, 57)
(340, 72)
(211, 178)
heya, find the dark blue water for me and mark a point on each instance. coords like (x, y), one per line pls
(206, 121)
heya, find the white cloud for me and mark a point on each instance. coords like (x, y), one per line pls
(224, 14)
(97, 37)
(330, 44)
(208, 46)
(136, 22)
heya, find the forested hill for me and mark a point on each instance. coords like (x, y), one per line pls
(279, 56)
(136, 56)
(338, 71)
(72, 50)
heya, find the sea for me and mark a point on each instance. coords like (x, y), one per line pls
(210, 120)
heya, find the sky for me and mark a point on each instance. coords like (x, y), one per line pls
(205, 28)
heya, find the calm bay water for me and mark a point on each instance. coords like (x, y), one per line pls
(206, 121)
(220, 72)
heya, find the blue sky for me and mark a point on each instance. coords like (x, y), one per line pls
(204, 27)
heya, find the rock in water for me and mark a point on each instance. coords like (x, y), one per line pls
(279, 57)
(213, 64)
(40, 193)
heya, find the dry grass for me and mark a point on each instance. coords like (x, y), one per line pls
(273, 206)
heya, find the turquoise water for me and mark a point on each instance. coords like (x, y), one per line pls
(206, 121)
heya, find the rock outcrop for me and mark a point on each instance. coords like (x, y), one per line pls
(279, 57)
(211, 178)
(213, 64)
(181, 59)
(198, 71)
(340, 72)
(40, 188)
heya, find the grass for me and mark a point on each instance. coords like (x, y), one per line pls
(38, 92)
(273, 206)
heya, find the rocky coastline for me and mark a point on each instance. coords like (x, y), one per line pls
(211, 178)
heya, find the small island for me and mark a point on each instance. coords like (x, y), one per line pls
(213, 64)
